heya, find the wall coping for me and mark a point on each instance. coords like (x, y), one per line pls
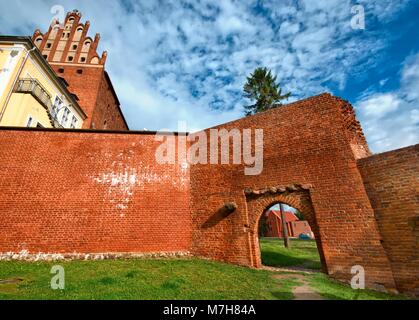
(96, 131)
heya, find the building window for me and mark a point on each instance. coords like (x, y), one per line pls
(48, 45)
(75, 47)
(66, 114)
(83, 59)
(70, 58)
(80, 71)
(29, 123)
(73, 122)
(58, 104)
(61, 70)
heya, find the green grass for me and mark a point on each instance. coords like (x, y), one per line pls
(142, 279)
(302, 253)
(182, 279)
(338, 291)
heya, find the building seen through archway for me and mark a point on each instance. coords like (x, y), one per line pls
(286, 239)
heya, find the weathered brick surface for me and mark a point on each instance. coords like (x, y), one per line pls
(307, 142)
(85, 85)
(65, 192)
(97, 98)
(391, 180)
(107, 114)
(90, 192)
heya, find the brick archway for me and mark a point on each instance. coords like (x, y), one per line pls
(257, 205)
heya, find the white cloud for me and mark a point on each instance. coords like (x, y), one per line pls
(391, 119)
(410, 78)
(379, 105)
(414, 115)
(188, 60)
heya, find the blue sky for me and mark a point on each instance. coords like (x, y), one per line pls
(188, 60)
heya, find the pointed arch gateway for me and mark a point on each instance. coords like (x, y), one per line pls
(258, 202)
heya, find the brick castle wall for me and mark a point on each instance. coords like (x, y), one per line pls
(94, 89)
(85, 83)
(107, 114)
(78, 192)
(391, 180)
(304, 143)
(100, 192)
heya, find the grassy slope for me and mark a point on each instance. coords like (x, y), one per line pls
(302, 253)
(176, 279)
(143, 279)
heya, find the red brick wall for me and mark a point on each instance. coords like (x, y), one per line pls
(391, 180)
(65, 192)
(107, 113)
(90, 192)
(97, 100)
(85, 85)
(273, 227)
(304, 143)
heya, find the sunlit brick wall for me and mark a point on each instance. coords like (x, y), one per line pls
(392, 182)
(70, 192)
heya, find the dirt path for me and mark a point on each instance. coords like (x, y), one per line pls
(291, 270)
(303, 291)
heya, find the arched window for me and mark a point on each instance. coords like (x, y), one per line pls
(70, 23)
(95, 60)
(86, 46)
(78, 34)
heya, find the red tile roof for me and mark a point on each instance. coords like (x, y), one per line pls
(289, 216)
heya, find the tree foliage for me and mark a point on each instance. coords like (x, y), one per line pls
(261, 87)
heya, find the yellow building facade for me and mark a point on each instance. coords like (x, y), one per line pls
(31, 94)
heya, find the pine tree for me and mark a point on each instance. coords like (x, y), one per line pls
(262, 88)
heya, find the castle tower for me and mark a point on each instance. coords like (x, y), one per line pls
(73, 56)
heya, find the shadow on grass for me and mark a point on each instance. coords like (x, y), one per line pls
(301, 254)
(277, 259)
(282, 295)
